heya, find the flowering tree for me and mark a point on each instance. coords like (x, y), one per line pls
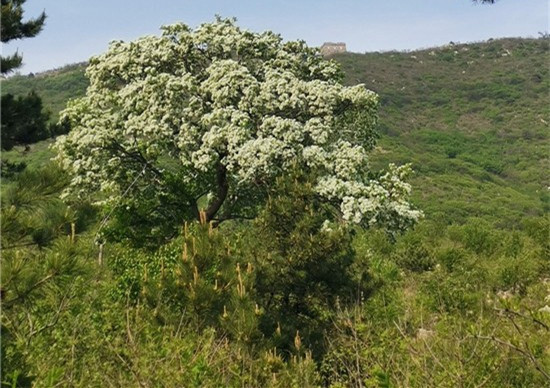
(208, 118)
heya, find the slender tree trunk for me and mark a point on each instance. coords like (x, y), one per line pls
(221, 195)
(195, 209)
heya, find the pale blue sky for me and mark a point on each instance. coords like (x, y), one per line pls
(77, 29)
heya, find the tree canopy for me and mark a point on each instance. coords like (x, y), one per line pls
(13, 27)
(209, 118)
(23, 120)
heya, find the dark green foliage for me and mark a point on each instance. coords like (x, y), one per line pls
(413, 254)
(304, 270)
(23, 120)
(32, 212)
(13, 27)
(11, 62)
(10, 169)
(155, 217)
(59, 128)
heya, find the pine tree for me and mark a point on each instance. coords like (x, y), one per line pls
(23, 120)
(13, 28)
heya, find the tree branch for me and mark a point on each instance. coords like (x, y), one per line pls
(10, 302)
(518, 314)
(527, 354)
(137, 156)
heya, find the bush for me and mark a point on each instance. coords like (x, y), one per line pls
(477, 235)
(201, 277)
(413, 254)
(451, 258)
(304, 270)
(32, 212)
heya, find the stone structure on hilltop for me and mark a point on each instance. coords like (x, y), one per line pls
(329, 48)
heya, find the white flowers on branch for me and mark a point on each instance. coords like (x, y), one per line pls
(227, 111)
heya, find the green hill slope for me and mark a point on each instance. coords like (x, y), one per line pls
(55, 87)
(473, 121)
(471, 118)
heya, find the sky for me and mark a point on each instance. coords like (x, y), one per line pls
(78, 29)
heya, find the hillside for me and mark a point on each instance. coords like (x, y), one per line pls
(55, 87)
(471, 118)
(139, 294)
(473, 121)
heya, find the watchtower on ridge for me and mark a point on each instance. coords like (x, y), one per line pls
(329, 48)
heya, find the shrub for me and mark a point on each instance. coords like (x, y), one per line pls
(304, 270)
(451, 258)
(477, 235)
(413, 254)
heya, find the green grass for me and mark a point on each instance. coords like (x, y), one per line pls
(37, 156)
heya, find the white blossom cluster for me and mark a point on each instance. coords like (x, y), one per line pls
(219, 95)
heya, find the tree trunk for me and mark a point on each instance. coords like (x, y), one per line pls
(221, 195)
